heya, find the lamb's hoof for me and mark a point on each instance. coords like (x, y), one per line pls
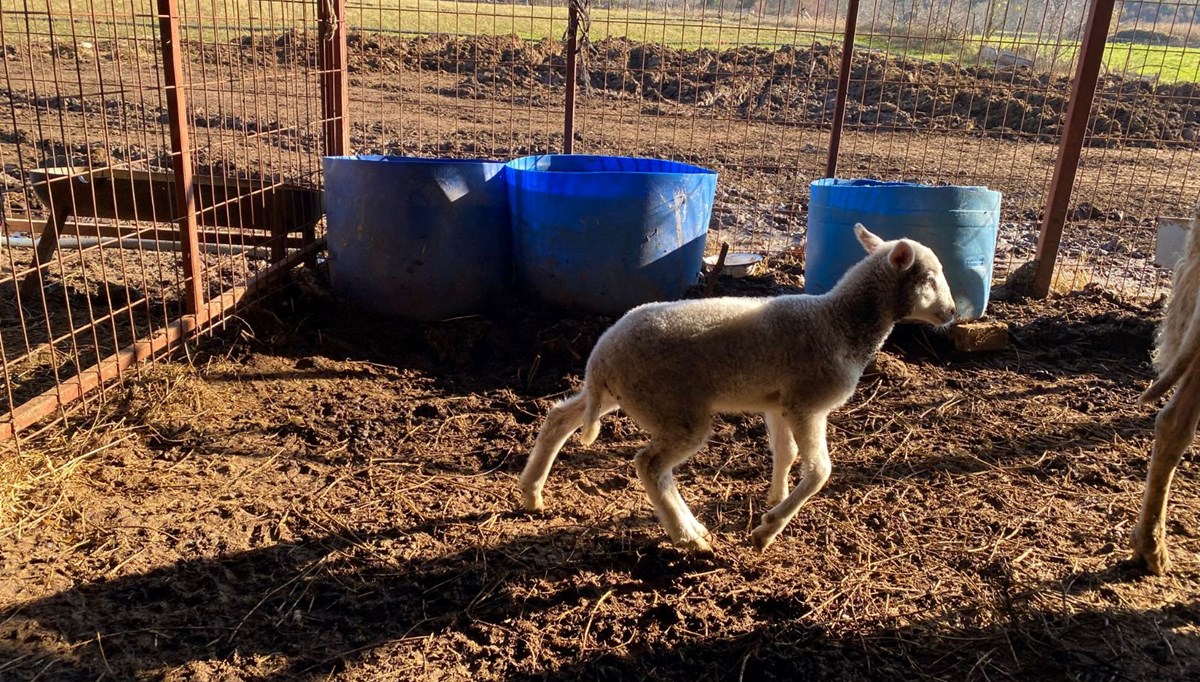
(531, 503)
(695, 546)
(762, 537)
(1151, 553)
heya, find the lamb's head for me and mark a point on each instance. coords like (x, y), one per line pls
(925, 294)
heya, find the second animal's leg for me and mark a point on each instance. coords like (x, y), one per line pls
(1174, 429)
(562, 420)
(655, 466)
(783, 454)
(809, 433)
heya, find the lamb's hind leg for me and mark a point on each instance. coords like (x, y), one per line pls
(562, 420)
(655, 466)
(1174, 429)
(809, 432)
(783, 454)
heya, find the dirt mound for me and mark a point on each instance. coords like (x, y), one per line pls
(790, 84)
(1146, 37)
(797, 85)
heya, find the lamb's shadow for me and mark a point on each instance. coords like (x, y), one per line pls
(319, 605)
(1035, 639)
(312, 603)
(519, 345)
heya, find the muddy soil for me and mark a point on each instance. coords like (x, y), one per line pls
(322, 494)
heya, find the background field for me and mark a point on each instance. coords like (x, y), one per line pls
(720, 26)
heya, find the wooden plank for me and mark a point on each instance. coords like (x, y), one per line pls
(150, 196)
(110, 231)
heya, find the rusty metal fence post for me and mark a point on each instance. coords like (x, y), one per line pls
(181, 160)
(333, 63)
(335, 97)
(1087, 72)
(843, 88)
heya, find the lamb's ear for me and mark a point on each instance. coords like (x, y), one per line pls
(902, 255)
(869, 241)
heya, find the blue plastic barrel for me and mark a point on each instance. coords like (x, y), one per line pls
(425, 239)
(607, 233)
(959, 224)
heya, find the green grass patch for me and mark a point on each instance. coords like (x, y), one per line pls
(1171, 64)
(221, 20)
(700, 29)
(74, 21)
(1168, 64)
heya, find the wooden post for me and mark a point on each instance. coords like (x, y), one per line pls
(335, 97)
(1091, 58)
(181, 159)
(47, 244)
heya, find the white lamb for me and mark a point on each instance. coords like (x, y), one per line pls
(670, 366)
(1177, 359)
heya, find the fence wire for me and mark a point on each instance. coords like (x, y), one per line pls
(86, 153)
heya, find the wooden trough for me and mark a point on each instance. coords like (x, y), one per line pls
(230, 211)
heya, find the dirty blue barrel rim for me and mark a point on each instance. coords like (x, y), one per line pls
(532, 162)
(959, 222)
(393, 158)
(868, 182)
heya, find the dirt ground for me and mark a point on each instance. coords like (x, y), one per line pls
(317, 493)
(320, 494)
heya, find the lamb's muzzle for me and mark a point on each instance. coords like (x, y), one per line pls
(794, 359)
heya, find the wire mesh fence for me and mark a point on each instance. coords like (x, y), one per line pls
(944, 91)
(106, 260)
(1139, 161)
(954, 92)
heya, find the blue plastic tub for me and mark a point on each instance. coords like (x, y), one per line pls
(607, 233)
(960, 224)
(425, 239)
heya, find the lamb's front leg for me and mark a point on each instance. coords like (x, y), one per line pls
(809, 433)
(783, 454)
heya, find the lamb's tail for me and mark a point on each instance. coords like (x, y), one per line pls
(593, 393)
(1185, 356)
(1189, 346)
(1165, 381)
